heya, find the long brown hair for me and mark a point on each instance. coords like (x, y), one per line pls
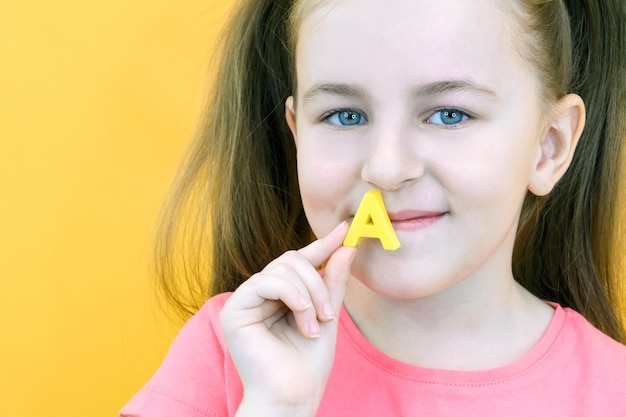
(566, 248)
(236, 205)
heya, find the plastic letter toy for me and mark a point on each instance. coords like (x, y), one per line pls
(371, 220)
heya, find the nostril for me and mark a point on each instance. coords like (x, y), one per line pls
(388, 173)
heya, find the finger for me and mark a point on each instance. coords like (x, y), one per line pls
(294, 265)
(259, 300)
(319, 251)
(298, 301)
(259, 288)
(337, 274)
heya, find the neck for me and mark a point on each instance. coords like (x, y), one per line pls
(475, 324)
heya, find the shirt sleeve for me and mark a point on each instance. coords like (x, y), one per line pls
(197, 377)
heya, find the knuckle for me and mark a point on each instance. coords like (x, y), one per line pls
(291, 256)
(282, 269)
(287, 258)
(251, 281)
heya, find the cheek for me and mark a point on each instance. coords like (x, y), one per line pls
(490, 163)
(326, 180)
(316, 172)
(498, 185)
(324, 168)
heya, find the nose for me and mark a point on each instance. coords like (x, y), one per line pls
(392, 160)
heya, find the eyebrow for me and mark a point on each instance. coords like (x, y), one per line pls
(344, 90)
(440, 87)
(423, 90)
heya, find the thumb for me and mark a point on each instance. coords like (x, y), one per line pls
(320, 251)
(337, 274)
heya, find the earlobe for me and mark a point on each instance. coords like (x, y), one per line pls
(558, 144)
(290, 115)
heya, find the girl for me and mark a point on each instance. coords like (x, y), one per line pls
(466, 117)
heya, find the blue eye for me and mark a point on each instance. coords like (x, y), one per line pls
(447, 117)
(346, 118)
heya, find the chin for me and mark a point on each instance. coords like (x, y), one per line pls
(395, 284)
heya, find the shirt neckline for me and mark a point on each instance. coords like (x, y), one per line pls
(493, 376)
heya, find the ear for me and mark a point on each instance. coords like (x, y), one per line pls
(558, 144)
(290, 115)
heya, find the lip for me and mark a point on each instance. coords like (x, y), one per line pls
(409, 220)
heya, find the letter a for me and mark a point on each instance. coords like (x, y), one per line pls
(371, 220)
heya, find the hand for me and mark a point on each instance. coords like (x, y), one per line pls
(281, 328)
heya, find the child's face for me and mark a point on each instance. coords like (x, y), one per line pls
(429, 103)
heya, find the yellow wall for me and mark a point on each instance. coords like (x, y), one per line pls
(97, 102)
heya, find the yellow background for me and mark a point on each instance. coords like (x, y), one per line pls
(97, 102)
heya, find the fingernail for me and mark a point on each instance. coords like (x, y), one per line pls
(314, 329)
(304, 302)
(339, 226)
(328, 311)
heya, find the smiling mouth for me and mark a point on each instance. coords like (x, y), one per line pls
(414, 220)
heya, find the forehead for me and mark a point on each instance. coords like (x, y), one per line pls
(406, 38)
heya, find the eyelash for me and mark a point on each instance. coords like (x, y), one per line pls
(326, 117)
(464, 117)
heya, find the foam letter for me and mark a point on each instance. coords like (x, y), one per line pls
(371, 220)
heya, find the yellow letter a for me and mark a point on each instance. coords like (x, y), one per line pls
(371, 220)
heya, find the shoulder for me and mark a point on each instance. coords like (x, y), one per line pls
(209, 313)
(192, 379)
(584, 336)
(594, 356)
(202, 334)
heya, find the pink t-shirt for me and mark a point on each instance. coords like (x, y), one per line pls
(574, 370)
